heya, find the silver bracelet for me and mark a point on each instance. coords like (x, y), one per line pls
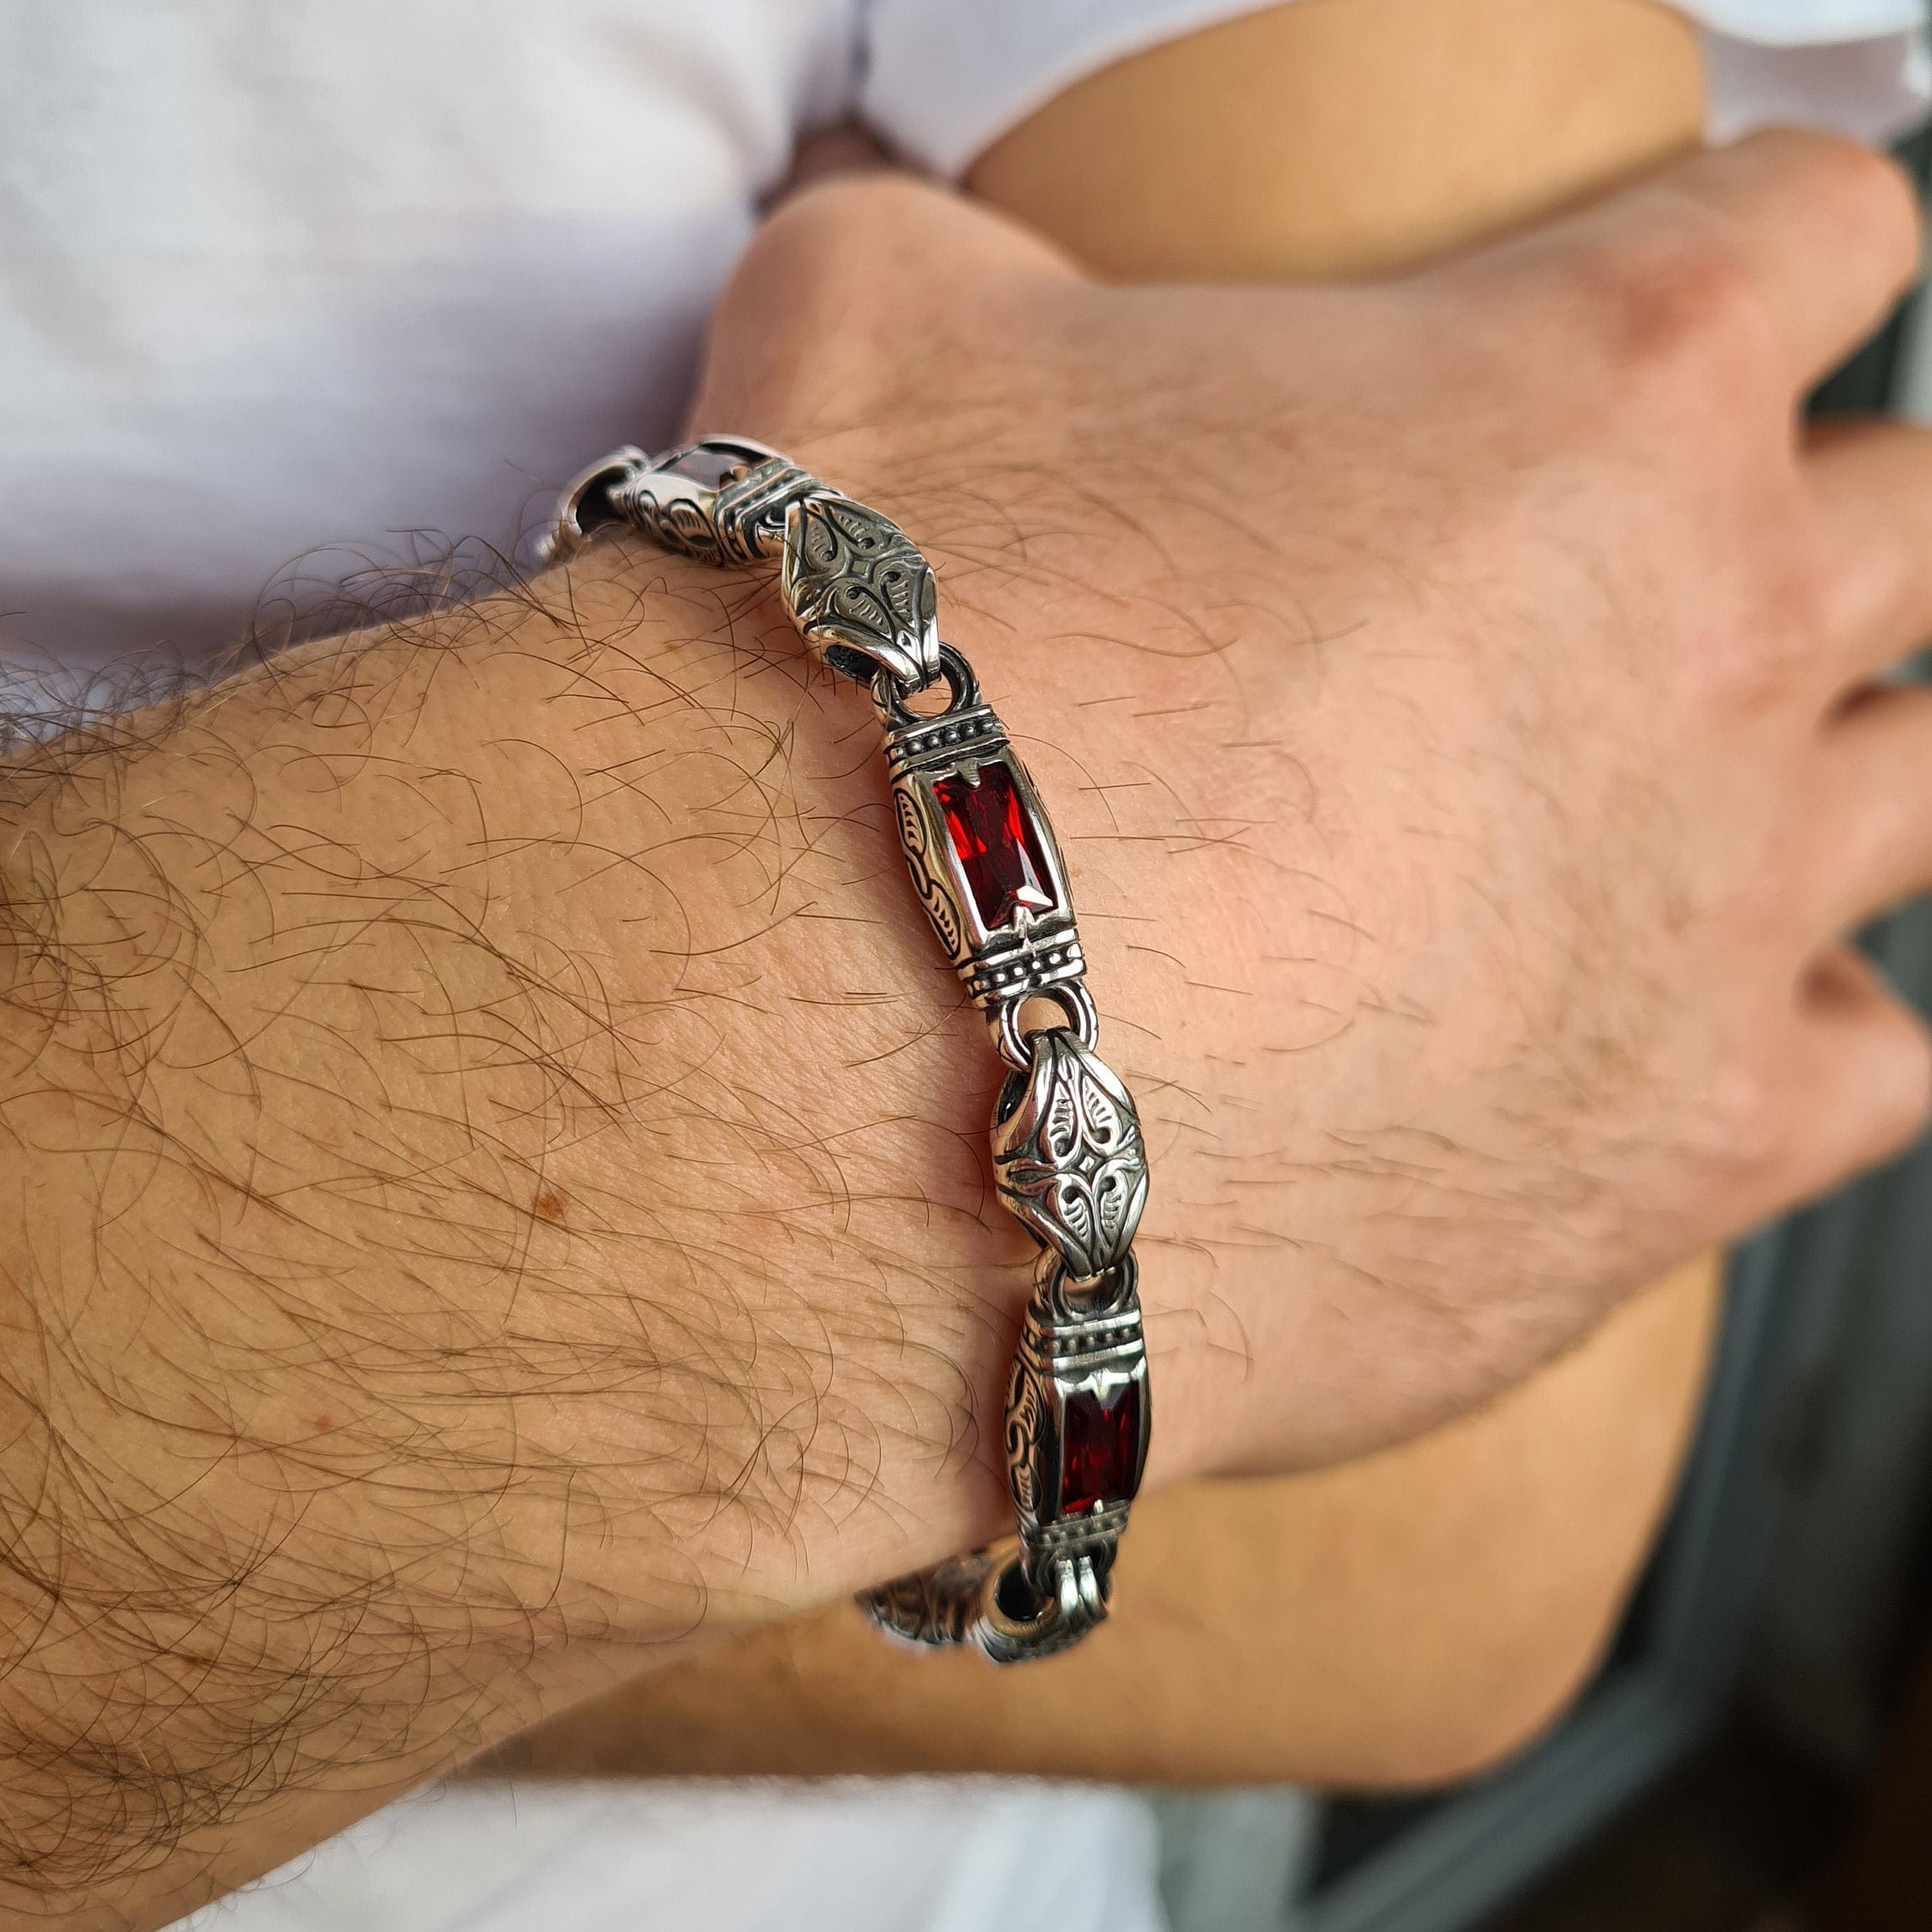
(1068, 1154)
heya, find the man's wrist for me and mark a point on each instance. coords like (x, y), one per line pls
(408, 1051)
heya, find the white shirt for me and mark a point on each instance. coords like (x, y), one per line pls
(281, 285)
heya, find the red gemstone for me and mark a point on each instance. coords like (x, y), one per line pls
(1100, 1441)
(994, 839)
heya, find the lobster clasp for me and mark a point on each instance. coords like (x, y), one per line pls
(721, 499)
(585, 507)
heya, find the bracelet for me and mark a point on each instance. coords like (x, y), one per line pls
(1069, 1157)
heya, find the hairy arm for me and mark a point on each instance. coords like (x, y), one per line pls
(1321, 140)
(445, 1072)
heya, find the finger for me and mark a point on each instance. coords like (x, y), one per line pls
(1873, 823)
(1872, 481)
(1813, 237)
(1829, 229)
(1867, 1079)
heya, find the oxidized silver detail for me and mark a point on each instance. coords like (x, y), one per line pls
(1065, 1357)
(966, 727)
(940, 1605)
(991, 1598)
(1082, 1316)
(1036, 949)
(585, 506)
(736, 521)
(1073, 1599)
(1067, 1154)
(859, 592)
(1067, 991)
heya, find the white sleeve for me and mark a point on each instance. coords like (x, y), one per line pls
(1857, 66)
(944, 78)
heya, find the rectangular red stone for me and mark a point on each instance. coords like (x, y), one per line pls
(993, 837)
(1100, 1443)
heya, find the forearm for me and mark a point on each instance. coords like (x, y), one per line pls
(470, 1199)
(1320, 139)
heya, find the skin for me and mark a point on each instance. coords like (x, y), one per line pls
(1413, 1615)
(501, 1155)
(1396, 1621)
(1330, 139)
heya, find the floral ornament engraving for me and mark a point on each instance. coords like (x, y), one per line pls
(1026, 1409)
(1067, 1154)
(857, 588)
(927, 882)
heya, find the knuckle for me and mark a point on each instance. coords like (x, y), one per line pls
(1749, 1123)
(1768, 653)
(807, 318)
(1683, 301)
(796, 246)
(1873, 197)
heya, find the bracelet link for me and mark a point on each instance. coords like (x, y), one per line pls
(723, 499)
(861, 591)
(982, 856)
(1078, 1413)
(1068, 1156)
(992, 1599)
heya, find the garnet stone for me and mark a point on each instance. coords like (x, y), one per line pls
(993, 835)
(1100, 1441)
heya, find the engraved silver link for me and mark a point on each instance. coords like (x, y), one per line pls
(989, 1599)
(738, 519)
(942, 1605)
(1027, 946)
(860, 592)
(1069, 1156)
(723, 499)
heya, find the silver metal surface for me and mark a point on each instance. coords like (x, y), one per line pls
(722, 499)
(584, 507)
(859, 592)
(1068, 1152)
(989, 1599)
(942, 1605)
(1080, 1341)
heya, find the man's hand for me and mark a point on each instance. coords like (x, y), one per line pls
(1455, 695)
